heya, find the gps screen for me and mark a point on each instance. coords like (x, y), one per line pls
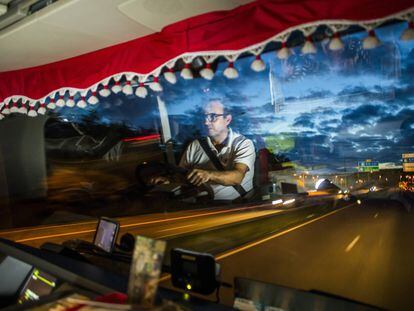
(105, 235)
(37, 285)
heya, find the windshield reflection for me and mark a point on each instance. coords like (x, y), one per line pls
(325, 139)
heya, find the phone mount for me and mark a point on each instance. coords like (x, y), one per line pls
(195, 272)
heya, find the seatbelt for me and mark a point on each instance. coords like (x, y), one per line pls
(217, 164)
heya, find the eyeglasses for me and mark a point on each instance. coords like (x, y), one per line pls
(212, 117)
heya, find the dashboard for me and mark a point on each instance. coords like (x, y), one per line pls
(32, 278)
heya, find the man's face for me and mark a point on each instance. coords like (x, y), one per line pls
(215, 120)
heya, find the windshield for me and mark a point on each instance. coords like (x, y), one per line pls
(312, 189)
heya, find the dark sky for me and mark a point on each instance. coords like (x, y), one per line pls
(323, 109)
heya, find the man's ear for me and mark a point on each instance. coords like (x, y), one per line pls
(228, 119)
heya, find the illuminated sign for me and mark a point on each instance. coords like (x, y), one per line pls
(368, 166)
(408, 162)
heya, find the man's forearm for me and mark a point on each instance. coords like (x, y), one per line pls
(226, 178)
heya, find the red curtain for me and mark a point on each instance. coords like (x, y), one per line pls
(225, 30)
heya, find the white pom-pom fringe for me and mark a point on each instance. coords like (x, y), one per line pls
(93, 100)
(371, 41)
(408, 34)
(81, 103)
(127, 89)
(14, 108)
(116, 88)
(70, 102)
(155, 85)
(207, 73)
(60, 102)
(23, 109)
(42, 109)
(6, 110)
(336, 43)
(32, 112)
(186, 72)
(308, 47)
(1, 116)
(141, 91)
(284, 52)
(230, 72)
(258, 64)
(51, 105)
(170, 76)
(105, 92)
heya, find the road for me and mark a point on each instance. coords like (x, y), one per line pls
(170, 225)
(364, 252)
(157, 225)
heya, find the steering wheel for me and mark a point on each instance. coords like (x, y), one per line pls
(178, 175)
(203, 192)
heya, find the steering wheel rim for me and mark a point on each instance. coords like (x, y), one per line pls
(145, 172)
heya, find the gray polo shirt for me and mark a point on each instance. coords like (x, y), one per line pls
(239, 149)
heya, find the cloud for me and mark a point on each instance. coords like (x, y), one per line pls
(362, 115)
(305, 120)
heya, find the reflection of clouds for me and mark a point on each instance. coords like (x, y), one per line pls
(299, 67)
(331, 123)
(347, 104)
(371, 131)
(362, 115)
(251, 89)
(305, 120)
(355, 129)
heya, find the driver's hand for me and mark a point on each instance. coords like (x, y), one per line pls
(159, 180)
(198, 177)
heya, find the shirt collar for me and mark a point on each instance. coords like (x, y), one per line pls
(228, 141)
